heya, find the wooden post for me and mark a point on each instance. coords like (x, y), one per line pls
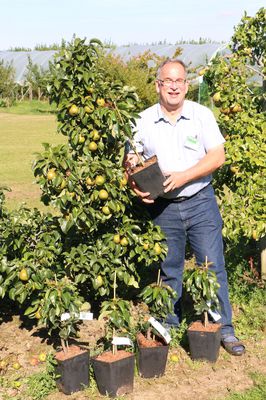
(263, 257)
(30, 93)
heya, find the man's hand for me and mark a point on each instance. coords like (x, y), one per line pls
(142, 195)
(174, 180)
(130, 161)
(208, 164)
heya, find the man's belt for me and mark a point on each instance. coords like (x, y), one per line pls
(181, 198)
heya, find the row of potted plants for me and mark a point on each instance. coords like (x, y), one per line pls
(137, 326)
(126, 325)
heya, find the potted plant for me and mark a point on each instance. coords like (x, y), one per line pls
(149, 177)
(204, 336)
(146, 174)
(58, 308)
(152, 345)
(72, 361)
(114, 369)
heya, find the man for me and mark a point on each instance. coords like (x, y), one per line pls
(189, 146)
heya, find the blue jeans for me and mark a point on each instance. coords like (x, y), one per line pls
(197, 219)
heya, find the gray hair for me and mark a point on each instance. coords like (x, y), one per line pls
(170, 61)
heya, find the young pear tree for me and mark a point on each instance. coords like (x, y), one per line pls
(105, 229)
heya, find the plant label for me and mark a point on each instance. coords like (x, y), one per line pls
(65, 316)
(85, 316)
(160, 329)
(214, 314)
(121, 341)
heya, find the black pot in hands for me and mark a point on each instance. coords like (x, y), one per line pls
(149, 177)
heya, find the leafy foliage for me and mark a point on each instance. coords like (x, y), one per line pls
(41, 384)
(7, 84)
(117, 313)
(240, 184)
(36, 77)
(202, 284)
(159, 298)
(138, 72)
(54, 264)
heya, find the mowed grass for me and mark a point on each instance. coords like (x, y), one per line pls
(33, 107)
(21, 136)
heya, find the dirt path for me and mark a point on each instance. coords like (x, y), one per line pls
(183, 380)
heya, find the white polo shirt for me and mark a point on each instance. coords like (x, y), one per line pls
(179, 146)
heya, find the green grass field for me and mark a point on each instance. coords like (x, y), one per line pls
(27, 107)
(21, 136)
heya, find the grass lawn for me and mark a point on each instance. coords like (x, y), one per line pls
(33, 107)
(21, 136)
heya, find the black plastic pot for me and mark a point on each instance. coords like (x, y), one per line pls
(115, 378)
(150, 178)
(204, 345)
(151, 361)
(74, 373)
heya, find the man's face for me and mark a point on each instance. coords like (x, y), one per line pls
(172, 86)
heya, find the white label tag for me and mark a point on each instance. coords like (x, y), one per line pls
(159, 328)
(65, 316)
(214, 314)
(122, 341)
(86, 316)
(192, 143)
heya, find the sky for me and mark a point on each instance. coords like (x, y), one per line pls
(26, 23)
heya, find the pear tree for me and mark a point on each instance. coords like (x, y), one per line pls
(237, 84)
(104, 228)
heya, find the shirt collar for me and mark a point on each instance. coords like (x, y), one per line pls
(185, 113)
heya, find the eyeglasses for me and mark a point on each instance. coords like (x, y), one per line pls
(170, 82)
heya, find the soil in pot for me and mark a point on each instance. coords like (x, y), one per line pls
(114, 373)
(151, 356)
(149, 177)
(204, 342)
(73, 368)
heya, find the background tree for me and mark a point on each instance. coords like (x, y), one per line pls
(36, 78)
(7, 84)
(236, 82)
(139, 72)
